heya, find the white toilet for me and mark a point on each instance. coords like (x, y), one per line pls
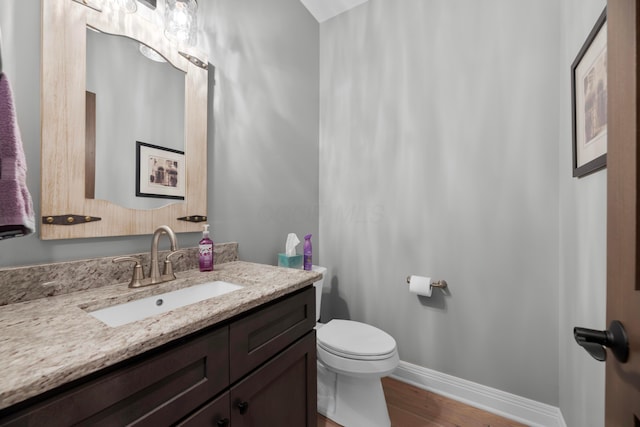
(352, 357)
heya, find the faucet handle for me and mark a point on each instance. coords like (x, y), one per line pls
(138, 274)
(168, 266)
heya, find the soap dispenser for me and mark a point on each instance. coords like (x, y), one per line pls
(205, 250)
(308, 260)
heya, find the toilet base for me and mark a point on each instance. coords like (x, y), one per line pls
(354, 402)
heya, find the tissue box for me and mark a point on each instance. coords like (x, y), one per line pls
(293, 261)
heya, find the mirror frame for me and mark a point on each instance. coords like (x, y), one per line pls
(63, 106)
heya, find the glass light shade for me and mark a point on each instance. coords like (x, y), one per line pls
(151, 54)
(180, 21)
(129, 6)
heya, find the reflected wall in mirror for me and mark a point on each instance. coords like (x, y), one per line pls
(64, 128)
(136, 99)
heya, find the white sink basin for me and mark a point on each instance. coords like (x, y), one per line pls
(132, 311)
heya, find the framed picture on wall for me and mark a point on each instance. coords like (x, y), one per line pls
(589, 102)
(160, 172)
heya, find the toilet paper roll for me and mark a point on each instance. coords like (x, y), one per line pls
(420, 285)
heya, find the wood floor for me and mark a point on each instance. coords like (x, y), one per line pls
(411, 406)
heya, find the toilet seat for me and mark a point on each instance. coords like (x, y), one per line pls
(356, 349)
(355, 340)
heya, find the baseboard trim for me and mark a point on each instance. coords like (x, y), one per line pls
(517, 408)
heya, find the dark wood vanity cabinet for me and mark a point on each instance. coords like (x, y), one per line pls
(280, 393)
(152, 391)
(259, 369)
(215, 413)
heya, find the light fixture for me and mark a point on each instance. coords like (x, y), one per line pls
(151, 53)
(151, 4)
(93, 4)
(129, 6)
(180, 21)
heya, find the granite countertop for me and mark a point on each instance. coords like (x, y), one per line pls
(47, 342)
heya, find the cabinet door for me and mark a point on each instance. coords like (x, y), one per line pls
(282, 392)
(213, 414)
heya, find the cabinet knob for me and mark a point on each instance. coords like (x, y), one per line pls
(222, 423)
(243, 406)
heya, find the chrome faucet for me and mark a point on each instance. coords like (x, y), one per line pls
(154, 271)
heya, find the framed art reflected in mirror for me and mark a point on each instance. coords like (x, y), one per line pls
(160, 172)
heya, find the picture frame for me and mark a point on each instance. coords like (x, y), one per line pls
(589, 102)
(160, 172)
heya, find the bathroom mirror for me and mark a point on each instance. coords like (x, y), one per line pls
(66, 210)
(146, 100)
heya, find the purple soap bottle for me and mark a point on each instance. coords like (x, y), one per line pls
(205, 250)
(307, 253)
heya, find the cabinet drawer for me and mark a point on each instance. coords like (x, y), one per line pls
(213, 414)
(261, 335)
(152, 391)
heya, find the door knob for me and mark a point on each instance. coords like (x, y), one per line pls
(595, 341)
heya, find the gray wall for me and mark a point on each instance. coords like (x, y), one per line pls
(263, 128)
(582, 242)
(438, 157)
(264, 182)
(442, 127)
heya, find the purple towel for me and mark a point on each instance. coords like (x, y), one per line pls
(16, 208)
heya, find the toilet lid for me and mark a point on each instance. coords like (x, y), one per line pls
(355, 340)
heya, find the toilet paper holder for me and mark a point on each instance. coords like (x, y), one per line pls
(437, 284)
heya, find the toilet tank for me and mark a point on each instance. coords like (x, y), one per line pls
(318, 286)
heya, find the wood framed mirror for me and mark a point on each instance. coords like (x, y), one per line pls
(64, 128)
